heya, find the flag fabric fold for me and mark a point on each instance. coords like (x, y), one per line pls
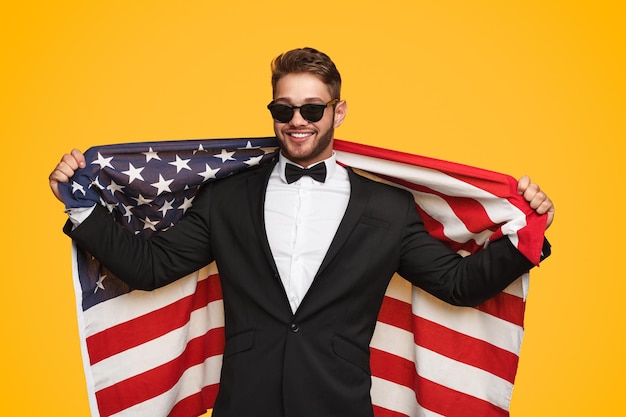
(159, 353)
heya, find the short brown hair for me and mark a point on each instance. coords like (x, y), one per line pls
(311, 61)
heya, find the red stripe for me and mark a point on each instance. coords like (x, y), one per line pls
(451, 403)
(196, 404)
(160, 379)
(505, 306)
(155, 324)
(465, 349)
(384, 412)
(392, 368)
(396, 313)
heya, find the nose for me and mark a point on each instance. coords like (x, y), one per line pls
(297, 119)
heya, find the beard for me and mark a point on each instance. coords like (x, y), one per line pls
(309, 152)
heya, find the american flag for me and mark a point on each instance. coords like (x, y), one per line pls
(159, 353)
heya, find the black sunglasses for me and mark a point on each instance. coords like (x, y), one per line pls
(283, 113)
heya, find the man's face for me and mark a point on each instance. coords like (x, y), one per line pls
(302, 141)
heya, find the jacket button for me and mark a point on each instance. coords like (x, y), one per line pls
(294, 328)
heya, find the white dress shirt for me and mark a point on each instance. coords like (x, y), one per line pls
(301, 220)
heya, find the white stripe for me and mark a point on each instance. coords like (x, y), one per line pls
(392, 396)
(394, 340)
(469, 321)
(463, 378)
(157, 351)
(400, 289)
(138, 303)
(78, 292)
(191, 382)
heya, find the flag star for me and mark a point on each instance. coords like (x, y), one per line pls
(103, 162)
(249, 146)
(96, 183)
(225, 156)
(110, 206)
(77, 187)
(167, 205)
(162, 185)
(200, 149)
(99, 284)
(150, 155)
(180, 164)
(133, 173)
(186, 204)
(127, 212)
(142, 200)
(208, 172)
(149, 224)
(113, 187)
(255, 160)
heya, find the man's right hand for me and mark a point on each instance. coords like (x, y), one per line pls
(65, 170)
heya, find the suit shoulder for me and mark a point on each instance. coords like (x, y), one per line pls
(243, 176)
(381, 188)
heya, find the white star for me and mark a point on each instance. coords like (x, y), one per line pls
(200, 149)
(103, 162)
(149, 224)
(162, 185)
(110, 206)
(113, 187)
(255, 160)
(142, 200)
(186, 204)
(96, 183)
(127, 212)
(249, 146)
(77, 187)
(99, 284)
(208, 172)
(167, 205)
(151, 155)
(180, 164)
(133, 173)
(225, 156)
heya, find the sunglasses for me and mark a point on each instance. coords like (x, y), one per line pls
(283, 113)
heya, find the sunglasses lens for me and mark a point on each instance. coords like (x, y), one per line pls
(312, 112)
(281, 113)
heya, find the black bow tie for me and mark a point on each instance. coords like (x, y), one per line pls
(293, 173)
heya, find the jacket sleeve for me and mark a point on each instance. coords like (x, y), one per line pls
(152, 263)
(458, 280)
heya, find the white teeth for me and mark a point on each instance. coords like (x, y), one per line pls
(300, 135)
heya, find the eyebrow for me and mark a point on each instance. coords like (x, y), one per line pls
(316, 100)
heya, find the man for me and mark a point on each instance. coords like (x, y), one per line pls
(318, 252)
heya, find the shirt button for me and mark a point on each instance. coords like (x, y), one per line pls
(294, 328)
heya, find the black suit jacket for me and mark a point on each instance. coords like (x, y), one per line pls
(314, 362)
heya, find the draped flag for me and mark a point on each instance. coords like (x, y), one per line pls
(159, 353)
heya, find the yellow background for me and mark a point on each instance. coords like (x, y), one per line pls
(520, 87)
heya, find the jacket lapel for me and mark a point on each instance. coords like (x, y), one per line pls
(257, 184)
(359, 196)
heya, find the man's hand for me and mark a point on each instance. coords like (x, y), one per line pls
(537, 199)
(65, 170)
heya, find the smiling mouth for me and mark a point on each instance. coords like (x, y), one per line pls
(300, 135)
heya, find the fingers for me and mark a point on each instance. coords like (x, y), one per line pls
(65, 170)
(537, 199)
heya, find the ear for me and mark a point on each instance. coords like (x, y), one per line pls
(341, 109)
